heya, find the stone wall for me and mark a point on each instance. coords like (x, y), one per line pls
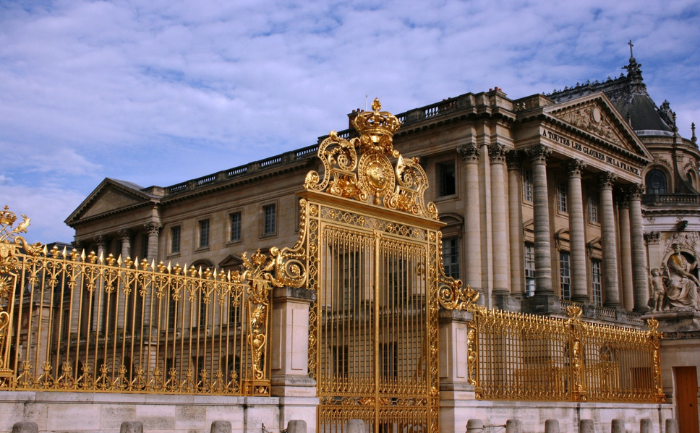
(103, 412)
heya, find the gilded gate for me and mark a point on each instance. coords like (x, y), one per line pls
(374, 249)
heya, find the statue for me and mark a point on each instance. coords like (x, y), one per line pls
(678, 288)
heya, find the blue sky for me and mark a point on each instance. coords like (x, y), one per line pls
(160, 91)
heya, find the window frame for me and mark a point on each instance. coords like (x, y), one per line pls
(231, 239)
(562, 197)
(565, 275)
(263, 221)
(171, 245)
(200, 245)
(442, 190)
(454, 253)
(597, 298)
(593, 208)
(528, 189)
(529, 258)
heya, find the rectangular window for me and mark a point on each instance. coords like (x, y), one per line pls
(450, 257)
(529, 269)
(144, 246)
(593, 207)
(561, 197)
(269, 215)
(565, 275)
(596, 278)
(203, 233)
(527, 185)
(174, 240)
(447, 179)
(235, 227)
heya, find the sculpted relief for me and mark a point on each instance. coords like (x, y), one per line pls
(591, 119)
(675, 285)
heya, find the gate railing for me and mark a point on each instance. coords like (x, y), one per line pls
(513, 356)
(71, 321)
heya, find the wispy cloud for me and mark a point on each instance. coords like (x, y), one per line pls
(160, 91)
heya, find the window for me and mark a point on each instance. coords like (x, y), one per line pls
(340, 360)
(235, 227)
(593, 207)
(172, 314)
(656, 182)
(596, 279)
(174, 240)
(351, 280)
(203, 233)
(529, 269)
(450, 257)
(561, 197)
(269, 218)
(144, 246)
(527, 185)
(447, 179)
(565, 275)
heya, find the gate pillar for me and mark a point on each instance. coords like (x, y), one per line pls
(289, 352)
(455, 388)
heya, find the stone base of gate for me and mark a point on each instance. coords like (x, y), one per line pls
(456, 408)
(104, 412)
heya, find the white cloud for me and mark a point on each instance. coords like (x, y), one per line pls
(154, 91)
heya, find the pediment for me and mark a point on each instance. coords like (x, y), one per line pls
(231, 261)
(110, 196)
(597, 116)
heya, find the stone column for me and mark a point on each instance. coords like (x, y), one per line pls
(515, 212)
(470, 157)
(639, 265)
(485, 208)
(543, 259)
(499, 229)
(577, 235)
(289, 355)
(153, 229)
(125, 236)
(625, 253)
(612, 293)
(98, 294)
(149, 303)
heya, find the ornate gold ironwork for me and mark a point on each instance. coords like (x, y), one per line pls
(95, 323)
(370, 176)
(526, 357)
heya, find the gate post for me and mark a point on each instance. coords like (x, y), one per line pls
(289, 355)
(455, 388)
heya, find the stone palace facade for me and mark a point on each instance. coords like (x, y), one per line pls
(587, 195)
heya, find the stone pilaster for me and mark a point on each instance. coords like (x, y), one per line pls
(639, 265)
(515, 214)
(470, 157)
(626, 253)
(543, 259)
(577, 236)
(289, 358)
(499, 229)
(606, 182)
(125, 236)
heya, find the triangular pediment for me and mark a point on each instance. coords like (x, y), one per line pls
(596, 116)
(110, 196)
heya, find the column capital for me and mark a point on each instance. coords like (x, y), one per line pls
(124, 234)
(101, 240)
(497, 152)
(152, 227)
(469, 152)
(515, 159)
(78, 245)
(606, 180)
(540, 153)
(575, 167)
(635, 191)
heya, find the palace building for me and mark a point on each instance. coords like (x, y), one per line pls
(585, 196)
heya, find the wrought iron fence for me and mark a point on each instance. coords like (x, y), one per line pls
(513, 356)
(78, 322)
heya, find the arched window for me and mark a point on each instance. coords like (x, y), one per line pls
(656, 182)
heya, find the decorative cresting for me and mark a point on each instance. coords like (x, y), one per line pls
(371, 177)
(375, 261)
(513, 356)
(73, 321)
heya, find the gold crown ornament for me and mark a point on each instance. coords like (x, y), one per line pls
(376, 129)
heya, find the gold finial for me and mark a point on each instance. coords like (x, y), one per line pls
(376, 123)
(376, 105)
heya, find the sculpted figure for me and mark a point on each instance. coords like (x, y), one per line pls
(682, 286)
(658, 288)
